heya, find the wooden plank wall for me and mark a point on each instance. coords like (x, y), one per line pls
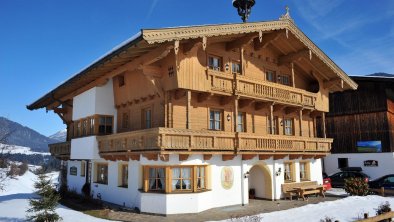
(348, 129)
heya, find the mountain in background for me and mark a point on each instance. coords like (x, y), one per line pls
(381, 74)
(60, 136)
(24, 136)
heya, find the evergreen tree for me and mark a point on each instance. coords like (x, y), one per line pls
(42, 209)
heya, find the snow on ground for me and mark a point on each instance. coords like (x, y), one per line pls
(13, 149)
(14, 201)
(347, 209)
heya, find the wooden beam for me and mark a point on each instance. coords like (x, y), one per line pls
(192, 44)
(261, 105)
(291, 57)
(264, 156)
(279, 156)
(60, 110)
(248, 156)
(315, 113)
(164, 157)
(203, 97)
(294, 156)
(183, 157)
(150, 70)
(207, 156)
(224, 100)
(278, 107)
(306, 156)
(244, 103)
(134, 157)
(266, 39)
(226, 157)
(290, 110)
(150, 156)
(332, 82)
(179, 94)
(240, 42)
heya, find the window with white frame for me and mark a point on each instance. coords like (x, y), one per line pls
(288, 127)
(215, 63)
(215, 119)
(241, 122)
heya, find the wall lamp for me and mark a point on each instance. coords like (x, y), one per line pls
(279, 171)
(228, 117)
(247, 174)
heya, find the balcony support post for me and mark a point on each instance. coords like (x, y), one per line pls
(272, 119)
(323, 119)
(235, 113)
(242, 59)
(292, 73)
(301, 134)
(188, 102)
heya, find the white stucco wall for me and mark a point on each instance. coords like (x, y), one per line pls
(84, 148)
(385, 163)
(97, 100)
(75, 182)
(176, 203)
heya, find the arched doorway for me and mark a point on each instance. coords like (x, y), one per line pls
(260, 181)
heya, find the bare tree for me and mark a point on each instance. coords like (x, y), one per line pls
(5, 150)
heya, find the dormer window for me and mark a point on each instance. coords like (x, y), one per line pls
(215, 63)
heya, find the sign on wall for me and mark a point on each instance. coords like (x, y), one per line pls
(371, 163)
(227, 177)
(73, 171)
(369, 146)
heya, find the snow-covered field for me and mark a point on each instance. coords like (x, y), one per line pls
(13, 149)
(14, 201)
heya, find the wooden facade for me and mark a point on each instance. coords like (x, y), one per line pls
(251, 89)
(362, 115)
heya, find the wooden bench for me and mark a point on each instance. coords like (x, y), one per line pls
(301, 189)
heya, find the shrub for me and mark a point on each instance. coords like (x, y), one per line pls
(23, 168)
(356, 186)
(327, 219)
(383, 208)
(14, 171)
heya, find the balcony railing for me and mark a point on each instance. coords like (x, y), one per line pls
(259, 89)
(170, 139)
(60, 150)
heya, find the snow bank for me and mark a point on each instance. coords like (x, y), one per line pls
(14, 201)
(13, 149)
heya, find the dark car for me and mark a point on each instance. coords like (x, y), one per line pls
(386, 181)
(338, 179)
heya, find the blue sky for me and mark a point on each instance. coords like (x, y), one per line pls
(44, 42)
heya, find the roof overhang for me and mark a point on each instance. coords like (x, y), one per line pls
(150, 39)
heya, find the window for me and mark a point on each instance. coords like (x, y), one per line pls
(181, 178)
(91, 126)
(284, 79)
(147, 118)
(83, 168)
(215, 63)
(201, 178)
(343, 162)
(241, 122)
(236, 68)
(288, 172)
(121, 80)
(102, 173)
(125, 120)
(270, 76)
(215, 119)
(275, 125)
(123, 175)
(157, 179)
(304, 171)
(105, 125)
(78, 128)
(288, 127)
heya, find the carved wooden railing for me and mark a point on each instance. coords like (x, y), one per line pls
(60, 150)
(170, 139)
(260, 89)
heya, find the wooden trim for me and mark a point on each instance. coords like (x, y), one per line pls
(228, 157)
(264, 156)
(207, 156)
(183, 157)
(248, 156)
(279, 156)
(152, 156)
(164, 157)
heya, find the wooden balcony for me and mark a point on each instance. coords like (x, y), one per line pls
(166, 140)
(60, 150)
(224, 83)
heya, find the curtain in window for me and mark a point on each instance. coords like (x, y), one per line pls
(287, 172)
(152, 178)
(186, 178)
(161, 174)
(200, 178)
(176, 173)
(217, 120)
